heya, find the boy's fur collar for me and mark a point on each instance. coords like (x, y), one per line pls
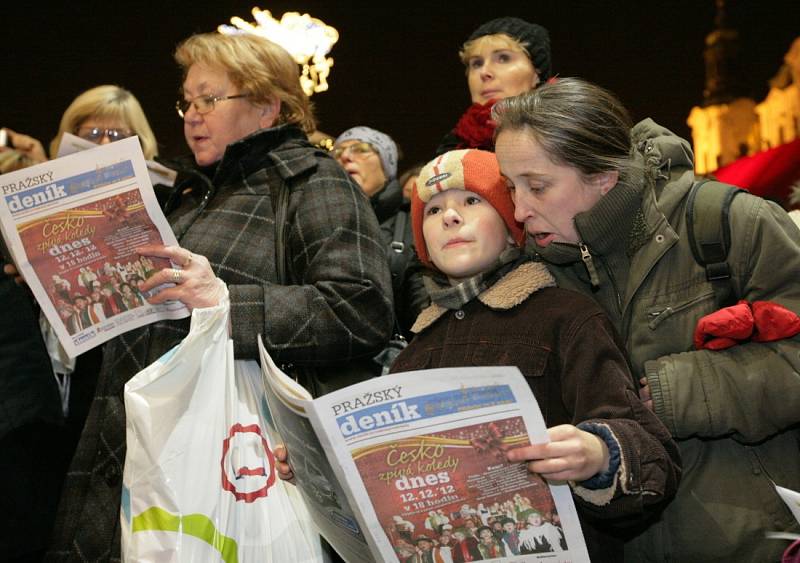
(509, 291)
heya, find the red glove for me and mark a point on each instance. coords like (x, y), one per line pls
(774, 322)
(792, 553)
(724, 328)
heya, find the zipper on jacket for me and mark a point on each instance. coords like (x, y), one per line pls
(594, 279)
(589, 263)
(657, 317)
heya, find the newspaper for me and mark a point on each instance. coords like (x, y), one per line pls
(412, 462)
(71, 226)
(159, 174)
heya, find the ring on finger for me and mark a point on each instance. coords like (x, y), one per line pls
(177, 276)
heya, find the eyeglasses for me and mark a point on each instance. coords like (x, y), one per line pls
(203, 104)
(361, 149)
(96, 134)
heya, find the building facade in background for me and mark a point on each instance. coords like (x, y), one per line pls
(729, 125)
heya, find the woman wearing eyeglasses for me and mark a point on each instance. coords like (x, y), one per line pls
(245, 119)
(31, 419)
(105, 114)
(102, 114)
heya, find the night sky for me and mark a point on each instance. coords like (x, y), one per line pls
(396, 65)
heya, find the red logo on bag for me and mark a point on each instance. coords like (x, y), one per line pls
(248, 465)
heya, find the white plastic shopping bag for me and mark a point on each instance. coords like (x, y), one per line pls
(200, 482)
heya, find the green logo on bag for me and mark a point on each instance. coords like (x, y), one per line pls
(196, 525)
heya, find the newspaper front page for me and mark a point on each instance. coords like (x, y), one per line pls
(420, 459)
(71, 226)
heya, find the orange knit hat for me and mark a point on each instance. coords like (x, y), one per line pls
(470, 169)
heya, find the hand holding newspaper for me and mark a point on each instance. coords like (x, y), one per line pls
(71, 226)
(412, 467)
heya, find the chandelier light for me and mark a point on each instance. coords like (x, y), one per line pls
(307, 39)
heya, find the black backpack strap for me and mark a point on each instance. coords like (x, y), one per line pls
(709, 228)
(398, 257)
(399, 234)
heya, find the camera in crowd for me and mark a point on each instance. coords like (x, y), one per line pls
(5, 139)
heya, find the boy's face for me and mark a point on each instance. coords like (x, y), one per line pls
(464, 234)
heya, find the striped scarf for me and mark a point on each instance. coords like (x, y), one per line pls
(449, 296)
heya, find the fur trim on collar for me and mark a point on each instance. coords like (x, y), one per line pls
(509, 291)
(427, 316)
(517, 285)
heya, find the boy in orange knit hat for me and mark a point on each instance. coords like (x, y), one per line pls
(492, 306)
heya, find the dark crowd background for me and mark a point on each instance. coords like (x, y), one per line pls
(396, 65)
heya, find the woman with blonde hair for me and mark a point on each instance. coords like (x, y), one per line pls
(503, 57)
(245, 119)
(102, 114)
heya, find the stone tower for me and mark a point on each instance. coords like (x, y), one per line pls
(726, 126)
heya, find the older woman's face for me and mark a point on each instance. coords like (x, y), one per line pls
(497, 69)
(547, 196)
(209, 134)
(364, 167)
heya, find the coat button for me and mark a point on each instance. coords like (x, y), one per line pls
(460, 314)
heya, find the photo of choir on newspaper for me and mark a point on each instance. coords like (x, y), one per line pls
(92, 295)
(476, 533)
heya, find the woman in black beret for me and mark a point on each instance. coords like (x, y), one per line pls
(504, 57)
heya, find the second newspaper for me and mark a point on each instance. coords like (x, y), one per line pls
(412, 466)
